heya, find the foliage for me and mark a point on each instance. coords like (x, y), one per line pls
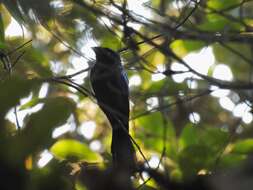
(189, 133)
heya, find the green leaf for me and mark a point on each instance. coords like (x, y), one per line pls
(54, 113)
(6, 17)
(2, 45)
(216, 22)
(31, 103)
(215, 139)
(222, 4)
(183, 47)
(40, 62)
(109, 40)
(210, 142)
(155, 58)
(231, 160)
(151, 131)
(39, 127)
(12, 89)
(74, 150)
(236, 63)
(14, 11)
(193, 159)
(52, 176)
(243, 146)
(1, 31)
(176, 174)
(189, 136)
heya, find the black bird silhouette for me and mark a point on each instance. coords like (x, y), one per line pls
(110, 85)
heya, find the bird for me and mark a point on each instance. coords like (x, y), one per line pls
(110, 85)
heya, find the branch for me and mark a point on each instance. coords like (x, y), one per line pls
(164, 107)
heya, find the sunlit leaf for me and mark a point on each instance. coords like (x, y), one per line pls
(216, 22)
(183, 47)
(219, 5)
(80, 24)
(79, 186)
(74, 150)
(244, 146)
(30, 104)
(109, 40)
(14, 11)
(156, 58)
(6, 17)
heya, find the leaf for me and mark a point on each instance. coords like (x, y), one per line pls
(189, 136)
(231, 160)
(14, 11)
(54, 112)
(152, 133)
(193, 159)
(40, 125)
(216, 22)
(236, 63)
(73, 149)
(12, 89)
(31, 103)
(109, 40)
(6, 17)
(155, 58)
(215, 139)
(52, 176)
(243, 146)
(200, 148)
(40, 62)
(176, 174)
(2, 45)
(1, 32)
(183, 47)
(222, 4)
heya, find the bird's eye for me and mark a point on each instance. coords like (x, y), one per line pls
(112, 53)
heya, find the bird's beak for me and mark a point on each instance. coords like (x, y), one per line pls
(95, 49)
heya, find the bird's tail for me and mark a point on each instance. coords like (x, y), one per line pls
(122, 150)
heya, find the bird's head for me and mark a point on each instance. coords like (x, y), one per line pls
(106, 56)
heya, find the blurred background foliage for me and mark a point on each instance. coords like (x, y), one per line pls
(188, 122)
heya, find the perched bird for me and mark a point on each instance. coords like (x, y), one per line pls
(110, 85)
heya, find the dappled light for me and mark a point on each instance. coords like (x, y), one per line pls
(44, 159)
(87, 129)
(126, 94)
(15, 29)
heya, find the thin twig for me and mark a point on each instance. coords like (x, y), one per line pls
(81, 90)
(19, 47)
(72, 75)
(18, 58)
(239, 54)
(16, 118)
(161, 35)
(160, 108)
